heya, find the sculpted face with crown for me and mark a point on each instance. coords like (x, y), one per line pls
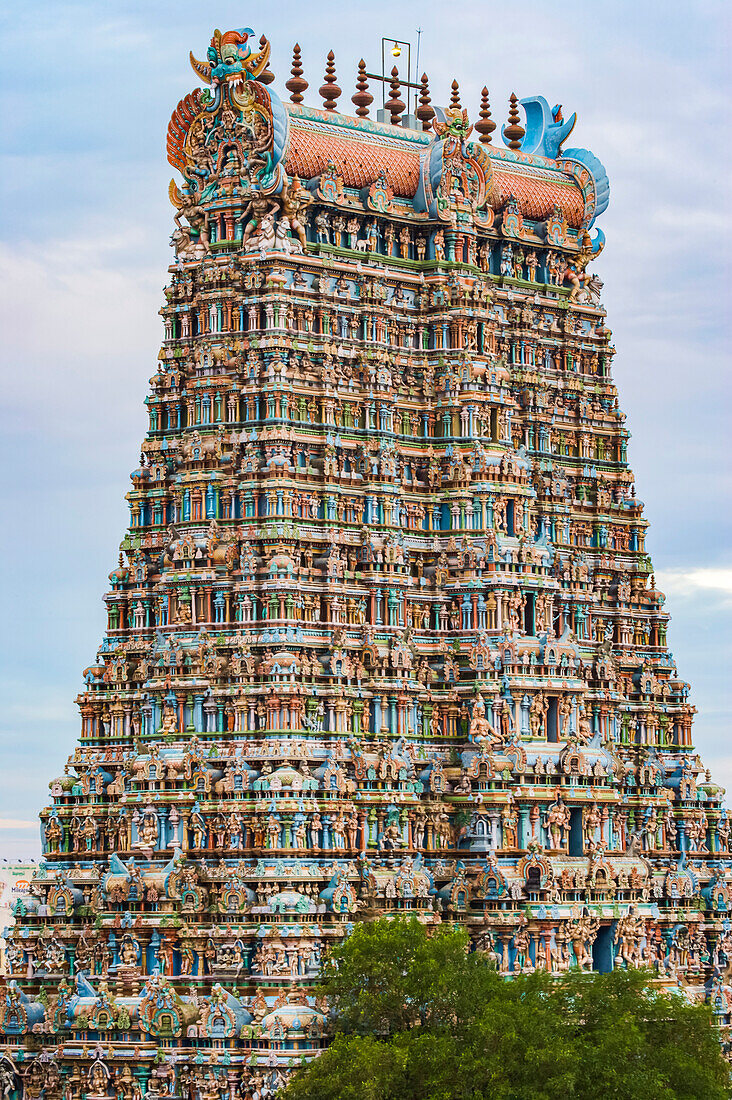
(454, 170)
(456, 123)
(230, 58)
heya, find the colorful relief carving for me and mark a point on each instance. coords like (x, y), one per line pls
(384, 636)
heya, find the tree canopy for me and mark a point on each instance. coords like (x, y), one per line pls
(418, 1016)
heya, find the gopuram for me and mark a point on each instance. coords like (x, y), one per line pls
(384, 636)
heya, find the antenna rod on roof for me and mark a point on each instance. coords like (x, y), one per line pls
(416, 66)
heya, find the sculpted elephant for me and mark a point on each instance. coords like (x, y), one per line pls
(196, 447)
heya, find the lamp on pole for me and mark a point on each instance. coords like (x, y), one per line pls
(393, 47)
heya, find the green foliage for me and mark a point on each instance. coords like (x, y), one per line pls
(355, 1068)
(389, 976)
(417, 1017)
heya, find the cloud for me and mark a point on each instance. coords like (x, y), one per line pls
(690, 582)
(17, 823)
(89, 292)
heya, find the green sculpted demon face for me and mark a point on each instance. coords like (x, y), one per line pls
(456, 124)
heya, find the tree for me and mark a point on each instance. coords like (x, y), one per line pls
(418, 1016)
(389, 976)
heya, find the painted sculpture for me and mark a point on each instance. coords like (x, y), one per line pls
(384, 637)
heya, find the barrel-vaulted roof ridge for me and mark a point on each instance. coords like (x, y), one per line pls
(362, 148)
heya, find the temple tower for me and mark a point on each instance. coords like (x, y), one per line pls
(384, 636)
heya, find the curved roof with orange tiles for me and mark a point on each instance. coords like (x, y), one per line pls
(361, 149)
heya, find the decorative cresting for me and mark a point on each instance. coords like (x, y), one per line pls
(546, 132)
(592, 179)
(383, 637)
(229, 144)
(546, 129)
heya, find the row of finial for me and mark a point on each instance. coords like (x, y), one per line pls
(425, 112)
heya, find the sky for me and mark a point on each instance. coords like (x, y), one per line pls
(87, 90)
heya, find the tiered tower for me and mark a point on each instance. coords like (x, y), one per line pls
(383, 637)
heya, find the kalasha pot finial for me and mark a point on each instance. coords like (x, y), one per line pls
(329, 91)
(485, 124)
(362, 97)
(425, 111)
(267, 76)
(514, 131)
(296, 85)
(394, 104)
(455, 97)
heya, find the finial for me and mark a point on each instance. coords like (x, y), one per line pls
(394, 104)
(329, 91)
(296, 85)
(455, 97)
(485, 125)
(425, 111)
(514, 131)
(363, 97)
(267, 76)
